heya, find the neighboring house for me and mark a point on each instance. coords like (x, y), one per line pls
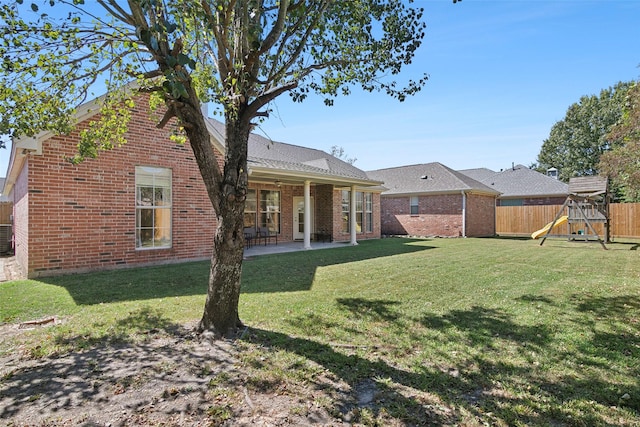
(145, 202)
(521, 186)
(433, 200)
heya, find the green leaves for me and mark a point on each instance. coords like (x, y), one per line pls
(576, 143)
(622, 163)
(108, 131)
(243, 52)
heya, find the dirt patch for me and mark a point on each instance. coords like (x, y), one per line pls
(174, 380)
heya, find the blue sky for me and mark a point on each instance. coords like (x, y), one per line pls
(501, 74)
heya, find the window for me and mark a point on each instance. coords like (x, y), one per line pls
(270, 210)
(368, 208)
(359, 211)
(346, 203)
(364, 211)
(415, 207)
(153, 207)
(250, 209)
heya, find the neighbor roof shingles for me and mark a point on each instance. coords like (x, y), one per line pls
(520, 181)
(439, 179)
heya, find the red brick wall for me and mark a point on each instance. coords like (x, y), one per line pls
(439, 215)
(21, 217)
(324, 205)
(83, 217)
(481, 216)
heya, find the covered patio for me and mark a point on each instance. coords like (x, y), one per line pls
(257, 250)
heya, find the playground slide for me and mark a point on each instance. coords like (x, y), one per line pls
(546, 228)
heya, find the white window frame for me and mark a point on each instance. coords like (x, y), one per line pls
(154, 200)
(414, 205)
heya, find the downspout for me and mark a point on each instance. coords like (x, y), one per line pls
(464, 214)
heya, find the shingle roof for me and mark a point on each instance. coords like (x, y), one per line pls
(479, 174)
(427, 178)
(279, 156)
(520, 181)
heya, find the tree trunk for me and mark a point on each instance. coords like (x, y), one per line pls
(221, 306)
(227, 192)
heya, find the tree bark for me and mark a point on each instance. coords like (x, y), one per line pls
(221, 307)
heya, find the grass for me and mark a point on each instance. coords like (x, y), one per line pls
(445, 331)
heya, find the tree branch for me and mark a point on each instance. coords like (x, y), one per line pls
(117, 11)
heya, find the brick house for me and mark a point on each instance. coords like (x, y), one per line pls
(433, 200)
(521, 186)
(145, 203)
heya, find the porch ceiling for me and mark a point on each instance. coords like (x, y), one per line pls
(283, 177)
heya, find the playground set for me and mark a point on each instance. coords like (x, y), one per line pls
(586, 205)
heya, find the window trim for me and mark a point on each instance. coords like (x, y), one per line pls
(261, 211)
(368, 211)
(153, 172)
(365, 200)
(413, 205)
(345, 215)
(253, 212)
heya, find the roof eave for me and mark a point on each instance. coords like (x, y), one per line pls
(258, 172)
(443, 192)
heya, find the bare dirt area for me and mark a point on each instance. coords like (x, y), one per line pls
(174, 379)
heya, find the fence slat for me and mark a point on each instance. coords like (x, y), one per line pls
(524, 220)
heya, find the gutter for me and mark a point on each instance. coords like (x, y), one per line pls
(20, 149)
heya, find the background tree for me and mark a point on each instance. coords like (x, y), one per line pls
(338, 152)
(238, 54)
(622, 163)
(576, 142)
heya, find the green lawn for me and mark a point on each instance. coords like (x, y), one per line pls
(455, 331)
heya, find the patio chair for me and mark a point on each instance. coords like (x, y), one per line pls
(250, 235)
(267, 235)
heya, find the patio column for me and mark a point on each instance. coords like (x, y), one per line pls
(352, 216)
(307, 214)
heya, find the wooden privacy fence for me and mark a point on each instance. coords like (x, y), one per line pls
(524, 220)
(6, 209)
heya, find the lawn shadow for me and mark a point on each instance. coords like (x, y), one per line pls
(375, 310)
(374, 385)
(269, 273)
(134, 284)
(486, 383)
(619, 342)
(535, 298)
(286, 272)
(599, 354)
(506, 237)
(482, 326)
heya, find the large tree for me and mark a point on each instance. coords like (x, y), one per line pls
(576, 142)
(238, 54)
(622, 163)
